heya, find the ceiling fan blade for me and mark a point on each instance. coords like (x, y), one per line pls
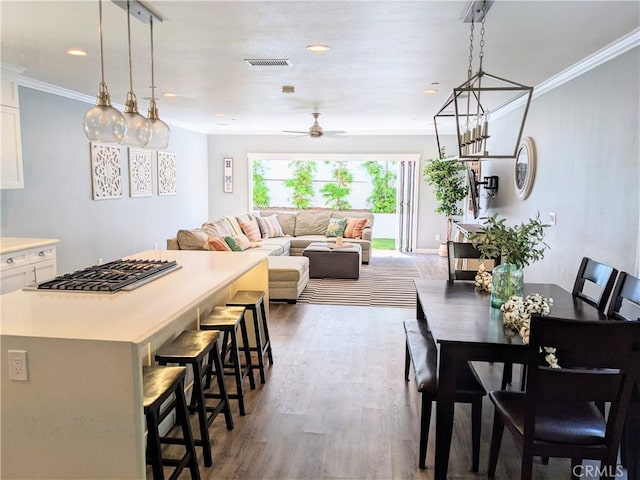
(295, 131)
(334, 132)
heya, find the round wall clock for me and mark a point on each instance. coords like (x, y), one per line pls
(525, 170)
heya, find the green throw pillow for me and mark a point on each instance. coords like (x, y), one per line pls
(336, 227)
(233, 245)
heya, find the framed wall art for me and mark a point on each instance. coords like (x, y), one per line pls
(140, 177)
(228, 175)
(106, 171)
(525, 169)
(167, 173)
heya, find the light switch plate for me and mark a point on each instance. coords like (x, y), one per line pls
(552, 218)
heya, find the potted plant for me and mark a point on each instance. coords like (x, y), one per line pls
(449, 187)
(518, 246)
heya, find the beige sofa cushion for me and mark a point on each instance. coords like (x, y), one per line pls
(193, 239)
(221, 228)
(312, 222)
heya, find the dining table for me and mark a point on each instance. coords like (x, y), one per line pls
(466, 328)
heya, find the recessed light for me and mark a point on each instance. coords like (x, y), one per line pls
(76, 52)
(219, 114)
(169, 94)
(429, 91)
(318, 47)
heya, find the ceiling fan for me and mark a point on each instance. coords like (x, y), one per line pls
(316, 131)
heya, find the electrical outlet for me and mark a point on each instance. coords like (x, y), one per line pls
(437, 237)
(552, 218)
(18, 365)
(100, 261)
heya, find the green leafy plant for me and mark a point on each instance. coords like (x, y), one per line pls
(301, 183)
(260, 190)
(383, 195)
(520, 245)
(449, 186)
(336, 193)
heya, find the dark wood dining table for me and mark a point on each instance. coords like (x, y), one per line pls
(465, 327)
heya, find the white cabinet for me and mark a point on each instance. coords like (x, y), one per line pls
(28, 266)
(11, 172)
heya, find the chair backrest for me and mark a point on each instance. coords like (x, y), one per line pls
(599, 360)
(460, 251)
(625, 299)
(600, 278)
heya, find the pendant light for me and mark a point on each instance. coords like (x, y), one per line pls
(480, 96)
(159, 130)
(103, 123)
(138, 127)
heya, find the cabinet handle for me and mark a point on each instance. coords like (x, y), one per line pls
(42, 253)
(9, 260)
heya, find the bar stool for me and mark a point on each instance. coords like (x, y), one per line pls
(254, 300)
(191, 347)
(228, 320)
(159, 384)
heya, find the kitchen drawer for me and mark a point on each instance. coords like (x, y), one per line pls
(14, 259)
(42, 254)
(16, 278)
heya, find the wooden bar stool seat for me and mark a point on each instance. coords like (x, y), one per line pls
(254, 300)
(228, 320)
(159, 385)
(193, 347)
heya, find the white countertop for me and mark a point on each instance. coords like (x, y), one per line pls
(13, 244)
(124, 316)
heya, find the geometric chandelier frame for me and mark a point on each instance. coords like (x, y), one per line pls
(472, 103)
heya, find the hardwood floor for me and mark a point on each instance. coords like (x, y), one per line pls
(335, 404)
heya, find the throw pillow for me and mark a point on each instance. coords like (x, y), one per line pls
(218, 244)
(336, 227)
(354, 227)
(270, 227)
(251, 230)
(242, 241)
(233, 245)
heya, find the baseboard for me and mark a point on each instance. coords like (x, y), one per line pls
(430, 251)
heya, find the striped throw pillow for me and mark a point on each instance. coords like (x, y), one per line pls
(354, 227)
(270, 227)
(251, 230)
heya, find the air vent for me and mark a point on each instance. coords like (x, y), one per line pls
(268, 62)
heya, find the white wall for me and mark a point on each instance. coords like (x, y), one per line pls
(588, 157)
(57, 201)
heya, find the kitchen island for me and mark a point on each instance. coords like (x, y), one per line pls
(79, 414)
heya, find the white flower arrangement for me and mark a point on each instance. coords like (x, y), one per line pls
(517, 316)
(483, 278)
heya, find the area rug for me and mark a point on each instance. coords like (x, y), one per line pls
(384, 282)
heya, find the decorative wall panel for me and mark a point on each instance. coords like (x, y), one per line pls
(167, 173)
(106, 171)
(140, 177)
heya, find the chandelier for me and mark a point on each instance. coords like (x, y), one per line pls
(469, 108)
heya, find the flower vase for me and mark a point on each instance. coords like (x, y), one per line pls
(506, 281)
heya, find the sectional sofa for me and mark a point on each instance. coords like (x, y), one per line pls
(298, 229)
(282, 236)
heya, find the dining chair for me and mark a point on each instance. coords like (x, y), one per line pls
(421, 352)
(625, 306)
(594, 282)
(557, 416)
(460, 251)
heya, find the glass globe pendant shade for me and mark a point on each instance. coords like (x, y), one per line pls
(138, 127)
(160, 132)
(103, 123)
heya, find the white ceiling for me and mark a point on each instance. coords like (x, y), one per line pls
(383, 55)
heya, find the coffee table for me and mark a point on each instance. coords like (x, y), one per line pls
(326, 260)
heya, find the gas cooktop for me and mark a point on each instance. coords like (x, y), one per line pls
(111, 277)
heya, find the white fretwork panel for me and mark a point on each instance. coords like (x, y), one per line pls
(106, 171)
(167, 173)
(140, 176)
